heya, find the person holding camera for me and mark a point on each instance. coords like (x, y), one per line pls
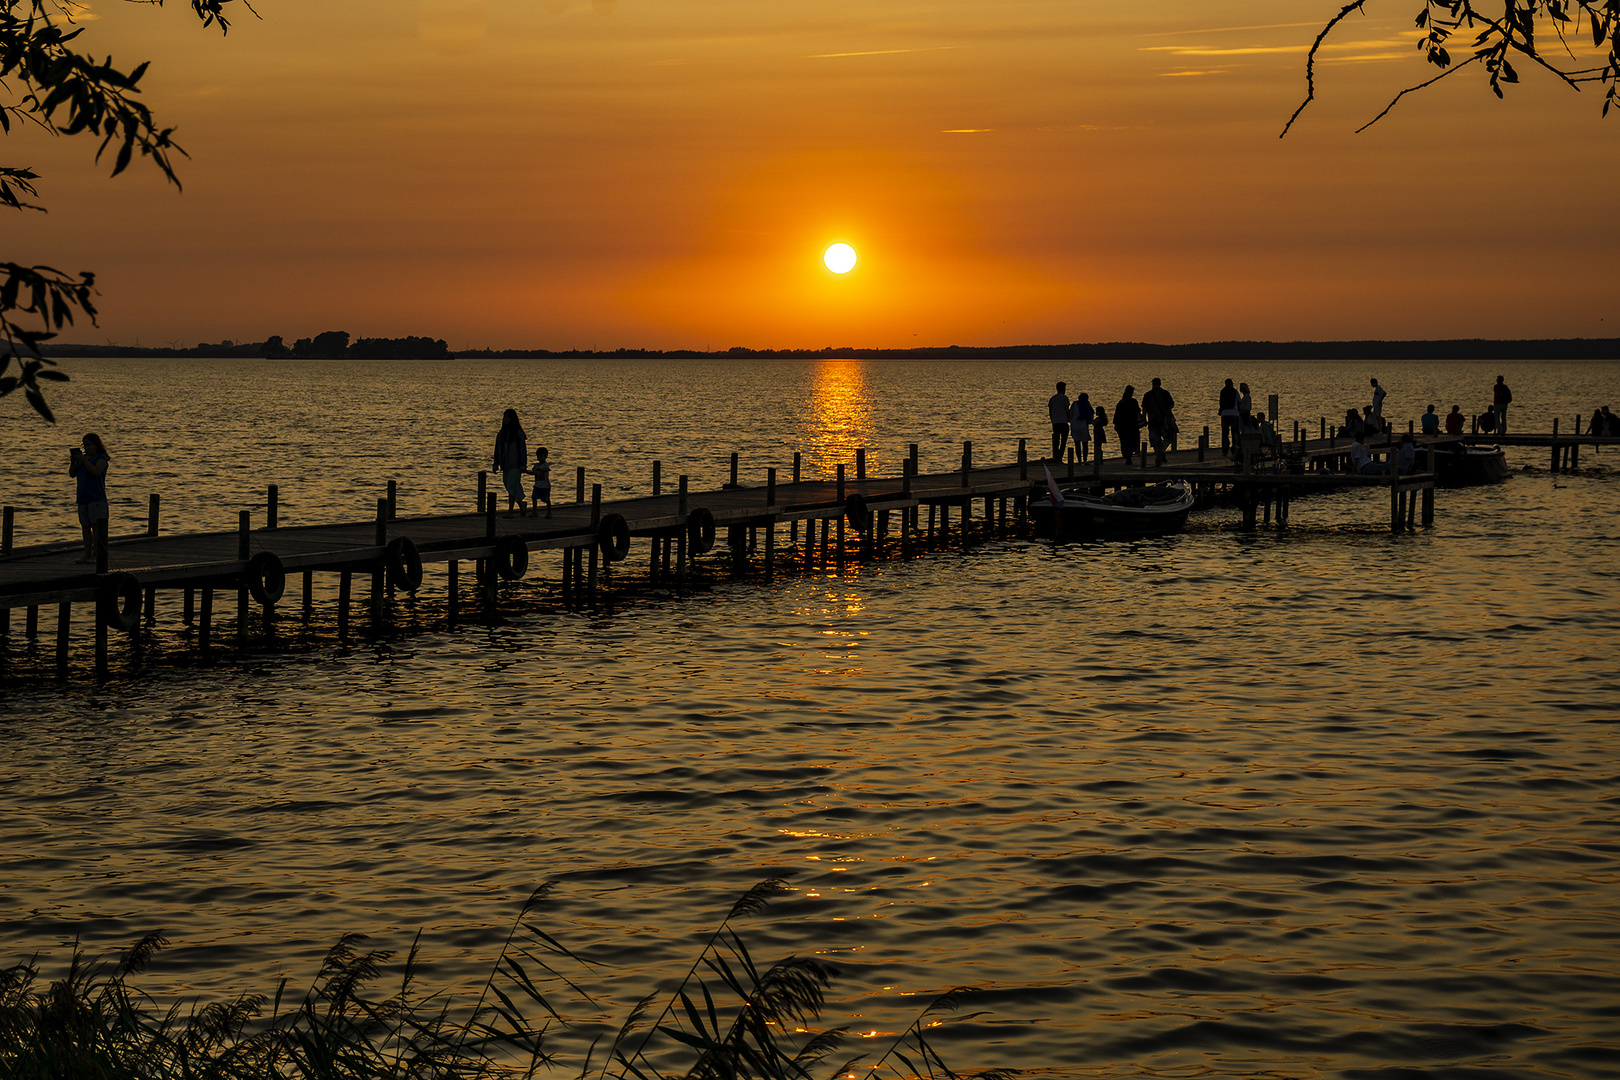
(89, 467)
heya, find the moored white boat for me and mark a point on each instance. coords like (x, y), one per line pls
(1154, 508)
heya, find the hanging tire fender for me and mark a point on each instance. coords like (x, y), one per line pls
(613, 536)
(266, 577)
(511, 557)
(700, 532)
(404, 564)
(857, 512)
(118, 601)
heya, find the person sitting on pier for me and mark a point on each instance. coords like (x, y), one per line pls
(1353, 427)
(1611, 421)
(1487, 419)
(1372, 423)
(1597, 425)
(1128, 423)
(1406, 456)
(1361, 459)
(1058, 406)
(511, 458)
(89, 468)
(1454, 421)
(1080, 414)
(1431, 422)
(542, 480)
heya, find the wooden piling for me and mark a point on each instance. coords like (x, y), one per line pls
(967, 462)
(770, 546)
(1023, 460)
(683, 509)
(344, 588)
(205, 619)
(393, 499)
(272, 499)
(31, 622)
(453, 590)
(794, 534)
(483, 488)
(64, 618)
(860, 463)
(307, 608)
(770, 487)
(152, 505)
(840, 484)
(840, 544)
(734, 470)
(579, 484)
(658, 478)
(8, 528)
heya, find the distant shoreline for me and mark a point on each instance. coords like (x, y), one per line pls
(1449, 349)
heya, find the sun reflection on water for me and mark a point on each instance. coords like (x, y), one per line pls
(840, 420)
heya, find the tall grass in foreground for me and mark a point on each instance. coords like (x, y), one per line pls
(726, 1020)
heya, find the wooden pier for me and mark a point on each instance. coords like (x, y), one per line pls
(799, 526)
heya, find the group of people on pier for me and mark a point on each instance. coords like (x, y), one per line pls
(1155, 412)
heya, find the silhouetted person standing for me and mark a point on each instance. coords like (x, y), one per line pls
(1099, 428)
(1502, 397)
(1080, 414)
(512, 460)
(1229, 416)
(1058, 406)
(1157, 406)
(1128, 423)
(1377, 406)
(89, 468)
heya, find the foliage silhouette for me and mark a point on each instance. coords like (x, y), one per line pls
(752, 1024)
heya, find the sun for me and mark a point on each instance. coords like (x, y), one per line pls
(840, 258)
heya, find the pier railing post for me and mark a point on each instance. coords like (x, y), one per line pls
(393, 500)
(840, 483)
(658, 478)
(797, 456)
(770, 487)
(272, 497)
(1271, 408)
(244, 523)
(1203, 444)
(733, 470)
(683, 510)
(483, 487)
(153, 503)
(1324, 428)
(579, 484)
(905, 477)
(489, 517)
(101, 545)
(1071, 462)
(967, 462)
(1023, 459)
(596, 505)
(860, 463)
(8, 525)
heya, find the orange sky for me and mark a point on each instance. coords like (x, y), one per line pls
(604, 173)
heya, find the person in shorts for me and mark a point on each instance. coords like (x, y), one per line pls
(89, 467)
(542, 480)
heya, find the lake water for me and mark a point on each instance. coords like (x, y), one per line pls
(1331, 803)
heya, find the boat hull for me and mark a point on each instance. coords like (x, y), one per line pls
(1157, 510)
(1461, 465)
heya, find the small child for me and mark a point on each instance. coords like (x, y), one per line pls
(542, 481)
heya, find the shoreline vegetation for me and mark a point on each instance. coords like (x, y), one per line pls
(727, 1019)
(336, 345)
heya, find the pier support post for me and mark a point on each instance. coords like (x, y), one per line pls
(794, 534)
(1071, 463)
(590, 582)
(453, 590)
(1203, 443)
(911, 452)
(31, 622)
(205, 619)
(840, 545)
(101, 546)
(680, 556)
(770, 548)
(967, 462)
(64, 618)
(101, 650)
(683, 511)
(378, 580)
(840, 484)
(345, 586)
(8, 527)
(307, 608)
(770, 487)
(483, 488)
(826, 525)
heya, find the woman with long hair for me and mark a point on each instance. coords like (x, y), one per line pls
(511, 458)
(89, 467)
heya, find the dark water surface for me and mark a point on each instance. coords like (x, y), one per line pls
(1332, 803)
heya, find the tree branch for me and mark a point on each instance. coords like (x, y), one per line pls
(1310, 61)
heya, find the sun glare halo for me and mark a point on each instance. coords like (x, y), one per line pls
(840, 258)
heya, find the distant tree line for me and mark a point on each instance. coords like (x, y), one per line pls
(332, 345)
